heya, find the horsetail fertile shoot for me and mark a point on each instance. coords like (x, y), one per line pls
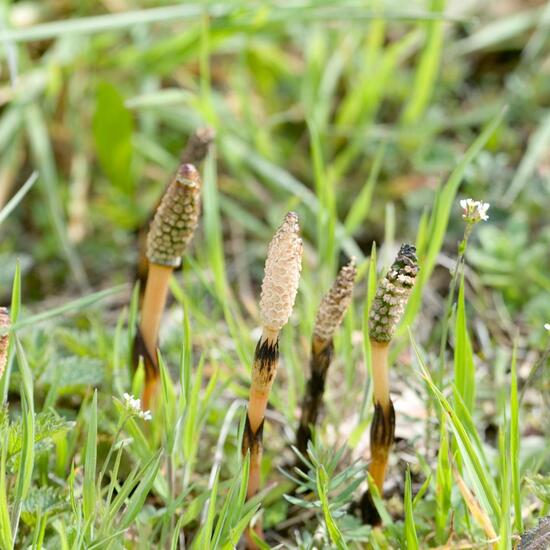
(385, 313)
(195, 152)
(330, 314)
(279, 287)
(169, 236)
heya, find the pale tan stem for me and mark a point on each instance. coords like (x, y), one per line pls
(380, 372)
(254, 472)
(377, 468)
(270, 335)
(264, 371)
(383, 424)
(257, 404)
(261, 384)
(154, 301)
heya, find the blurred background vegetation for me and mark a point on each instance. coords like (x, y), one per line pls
(352, 113)
(304, 97)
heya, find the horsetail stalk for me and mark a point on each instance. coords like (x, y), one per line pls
(170, 233)
(4, 338)
(279, 287)
(386, 311)
(198, 145)
(330, 314)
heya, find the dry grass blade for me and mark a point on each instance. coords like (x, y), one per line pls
(475, 509)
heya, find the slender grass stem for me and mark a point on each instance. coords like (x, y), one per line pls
(449, 304)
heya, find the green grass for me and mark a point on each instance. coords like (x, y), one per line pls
(371, 121)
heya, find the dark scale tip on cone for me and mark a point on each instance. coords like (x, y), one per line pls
(406, 257)
(188, 174)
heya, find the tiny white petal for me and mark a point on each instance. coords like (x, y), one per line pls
(547, 327)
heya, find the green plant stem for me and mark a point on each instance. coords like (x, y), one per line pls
(110, 452)
(459, 266)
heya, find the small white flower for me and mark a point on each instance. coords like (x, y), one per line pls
(547, 327)
(474, 211)
(146, 415)
(133, 405)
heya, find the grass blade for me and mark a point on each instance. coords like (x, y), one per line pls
(464, 369)
(18, 197)
(332, 528)
(360, 209)
(14, 315)
(74, 305)
(475, 465)
(43, 154)
(539, 143)
(515, 443)
(410, 530)
(90, 461)
(135, 504)
(428, 67)
(26, 462)
(443, 486)
(6, 537)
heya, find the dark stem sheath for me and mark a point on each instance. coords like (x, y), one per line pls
(382, 434)
(321, 356)
(264, 370)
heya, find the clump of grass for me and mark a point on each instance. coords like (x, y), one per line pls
(330, 314)
(4, 339)
(385, 313)
(279, 287)
(169, 235)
